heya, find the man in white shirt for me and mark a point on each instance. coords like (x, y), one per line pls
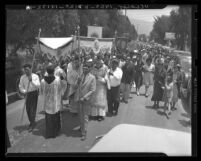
(115, 75)
(32, 81)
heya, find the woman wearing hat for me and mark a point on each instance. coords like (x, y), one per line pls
(138, 78)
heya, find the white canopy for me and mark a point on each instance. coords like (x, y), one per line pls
(55, 43)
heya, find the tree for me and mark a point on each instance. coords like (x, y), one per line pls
(181, 25)
(160, 27)
(23, 25)
(178, 22)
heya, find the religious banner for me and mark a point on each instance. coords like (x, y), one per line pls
(94, 31)
(102, 45)
(121, 43)
(56, 48)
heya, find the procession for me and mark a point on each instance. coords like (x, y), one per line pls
(95, 79)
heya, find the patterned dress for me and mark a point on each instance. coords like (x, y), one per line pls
(99, 98)
(159, 81)
(148, 75)
(175, 89)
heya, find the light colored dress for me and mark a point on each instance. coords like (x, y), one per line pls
(148, 74)
(99, 97)
(168, 93)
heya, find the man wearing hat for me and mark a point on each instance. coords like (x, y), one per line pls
(115, 76)
(86, 86)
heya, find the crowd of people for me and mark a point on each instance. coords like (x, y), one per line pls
(96, 84)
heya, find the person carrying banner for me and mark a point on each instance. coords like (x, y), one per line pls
(73, 71)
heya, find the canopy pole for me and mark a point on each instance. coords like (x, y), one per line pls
(29, 81)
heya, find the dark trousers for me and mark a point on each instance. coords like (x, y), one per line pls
(31, 106)
(53, 124)
(113, 99)
(83, 110)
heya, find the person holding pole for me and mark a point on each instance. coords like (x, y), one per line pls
(29, 85)
(86, 86)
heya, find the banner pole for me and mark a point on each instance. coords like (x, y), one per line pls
(29, 81)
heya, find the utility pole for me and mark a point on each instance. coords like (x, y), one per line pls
(137, 30)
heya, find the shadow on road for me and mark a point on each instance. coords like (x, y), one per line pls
(162, 113)
(185, 123)
(21, 128)
(40, 128)
(185, 115)
(159, 112)
(69, 122)
(151, 107)
(154, 108)
(133, 93)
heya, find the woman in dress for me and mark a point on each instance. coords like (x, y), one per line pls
(148, 74)
(168, 95)
(138, 78)
(99, 98)
(176, 81)
(159, 82)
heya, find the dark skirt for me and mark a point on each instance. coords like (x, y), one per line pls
(53, 124)
(157, 92)
(138, 79)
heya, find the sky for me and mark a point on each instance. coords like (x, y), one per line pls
(148, 14)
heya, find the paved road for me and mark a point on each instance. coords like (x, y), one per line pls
(138, 111)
